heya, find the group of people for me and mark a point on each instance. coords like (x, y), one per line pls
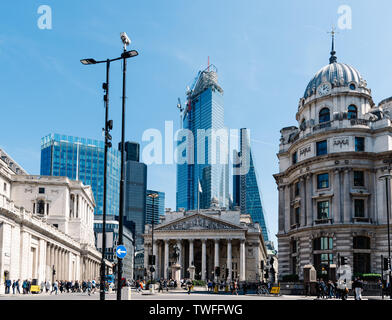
(232, 286)
(61, 286)
(330, 290)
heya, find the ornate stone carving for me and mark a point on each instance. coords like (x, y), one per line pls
(198, 223)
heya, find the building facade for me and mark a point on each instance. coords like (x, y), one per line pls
(46, 225)
(156, 211)
(135, 193)
(111, 229)
(246, 193)
(332, 198)
(83, 159)
(214, 243)
(204, 175)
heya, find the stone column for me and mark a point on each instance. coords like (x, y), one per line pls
(179, 245)
(191, 260)
(229, 258)
(281, 209)
(154, 252)
(287, 208)
(203, 259)
(336, 198)
(309, 200)
(242, 260)
(216, 259)
(346, 196)
(303, 200)
(166, 268)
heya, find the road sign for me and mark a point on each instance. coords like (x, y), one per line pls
(275, 290)
(121, 252)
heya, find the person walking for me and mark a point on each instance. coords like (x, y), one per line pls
(88, 286)
(42, 286)
(13, 286)
(189, 285)
(55, 287)
(47, 286)
(7, 284)
(18, 285)
(93, 286)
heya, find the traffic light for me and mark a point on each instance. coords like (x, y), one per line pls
(266, 275)
(217, 271)
(145, 272)
(151, 260)
(54, 271)
(343, 261)
(227, 273)
(152, 269)
(385, 264)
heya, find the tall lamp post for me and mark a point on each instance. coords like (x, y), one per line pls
(125, 55)
(152, 196)
(108, 144)
(387, 178)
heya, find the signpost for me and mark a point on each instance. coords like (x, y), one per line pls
(121, 252)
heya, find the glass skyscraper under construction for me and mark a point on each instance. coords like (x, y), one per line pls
(83, 159)
(246, 193)
(204, 175)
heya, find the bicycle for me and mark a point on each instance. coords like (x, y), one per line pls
(261, 290)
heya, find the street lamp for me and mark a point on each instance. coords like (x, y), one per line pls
(125, 55)
(387, 178)
(108, 144)
(152, 196)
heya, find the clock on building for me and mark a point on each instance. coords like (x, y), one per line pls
(324, 88)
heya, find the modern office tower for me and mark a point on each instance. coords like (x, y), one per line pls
(159, 207)
(135, 192)
(83, 159)
(205, 173)
(246, 193)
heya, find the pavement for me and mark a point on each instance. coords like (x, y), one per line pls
(171, 295)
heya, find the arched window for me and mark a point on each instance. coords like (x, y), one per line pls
(324, 115)
(352, 112)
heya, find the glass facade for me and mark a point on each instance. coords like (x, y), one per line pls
(246, 193)
(135, 199)
(83, 159)
(158, 209)
(204, 111)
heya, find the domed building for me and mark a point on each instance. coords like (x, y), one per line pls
(332, 197)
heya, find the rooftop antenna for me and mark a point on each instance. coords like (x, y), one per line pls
(333, 58)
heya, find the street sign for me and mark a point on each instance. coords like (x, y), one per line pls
(275, 290)
(121, 252)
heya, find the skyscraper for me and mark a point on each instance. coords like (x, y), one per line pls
(246, 193)
(83, 159)
(204, 175)
(158, 209)
(135, 192)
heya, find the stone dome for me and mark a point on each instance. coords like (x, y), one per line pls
(338, 74)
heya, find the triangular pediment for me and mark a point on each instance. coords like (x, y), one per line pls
(198, 221)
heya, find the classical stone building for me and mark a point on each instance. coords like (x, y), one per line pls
(332, 201)
(45, 222)
(207, 239)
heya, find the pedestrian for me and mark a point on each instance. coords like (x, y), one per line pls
(358, 284)
(47, 286)
(13, 286)
(7, 284)
(93, 286)
(42, 287)
(88, 287)
(189, 285)
(160, 286)
(17, 285)
(245, 288)
(236, 288)
(55, 287)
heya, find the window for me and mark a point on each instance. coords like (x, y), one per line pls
(361, 263)
(297, 212)
(321, 148)
(294, 157)
(322, 181)
(41, 207)
(352, 86)
(324, 115)
(322, 262)
(323, 243)
(5, 187)
(293, 246)
(323, 210)
(41, 190)
(361, 242)
(352, 112)
(359, 180)
(296, 189)
(359, 144)
(359, 208)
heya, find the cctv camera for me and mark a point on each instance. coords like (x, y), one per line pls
(125, 38)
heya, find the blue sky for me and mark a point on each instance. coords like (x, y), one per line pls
(265, 52)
